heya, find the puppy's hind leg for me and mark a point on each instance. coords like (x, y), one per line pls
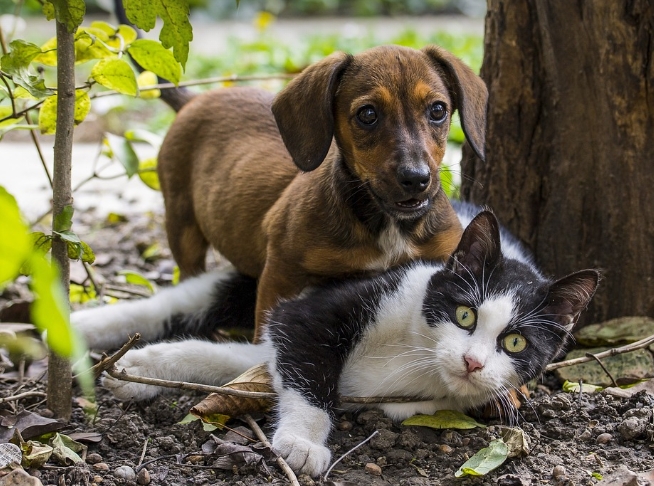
(187, 242)
(191, 307)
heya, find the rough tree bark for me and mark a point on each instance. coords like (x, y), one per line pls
(59, 373)
(570, 142)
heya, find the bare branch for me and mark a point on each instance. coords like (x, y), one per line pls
(280, 460)
(643, 343)
(20, 396)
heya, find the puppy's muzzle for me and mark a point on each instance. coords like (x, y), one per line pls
(414, 180)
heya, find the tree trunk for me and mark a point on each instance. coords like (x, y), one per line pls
(59, 373)
(570, 142)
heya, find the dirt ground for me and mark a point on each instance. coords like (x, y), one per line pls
(575, 438)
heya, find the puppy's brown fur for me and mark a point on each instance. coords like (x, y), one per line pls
(367, 195)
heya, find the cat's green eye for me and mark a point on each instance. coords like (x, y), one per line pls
(514, 343)
(465, 316)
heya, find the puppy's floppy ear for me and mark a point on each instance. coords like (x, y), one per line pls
(479, 247)
(304, 111)
(469, 93)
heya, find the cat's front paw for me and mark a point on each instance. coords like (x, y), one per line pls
(134, 363)
(302, 455)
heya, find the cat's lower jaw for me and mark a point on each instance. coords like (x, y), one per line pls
(302, 433)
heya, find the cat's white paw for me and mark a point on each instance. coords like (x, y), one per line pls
(302, 455)
(135, 362)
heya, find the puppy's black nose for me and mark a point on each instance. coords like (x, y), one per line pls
(414, 180)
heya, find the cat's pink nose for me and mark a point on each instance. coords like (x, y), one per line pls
(472, 364)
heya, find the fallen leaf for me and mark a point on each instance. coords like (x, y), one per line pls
(516, 440)
(92, 437)
(630, 391)
(622, 330)
(485, 460)
(29, 424)
(36, 454)
(226, 455)
(216, 405)
(9, 454)
(66, 450)
(574, 387)
(444, 419)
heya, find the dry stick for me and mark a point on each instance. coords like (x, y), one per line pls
(20, 396)
(280, 460)
(109, 361)
(599, 361)
(604, 354)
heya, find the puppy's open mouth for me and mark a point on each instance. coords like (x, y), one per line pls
(411, 205)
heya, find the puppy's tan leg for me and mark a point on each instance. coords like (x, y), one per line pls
(188, 246)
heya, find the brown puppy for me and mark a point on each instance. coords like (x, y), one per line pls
(368, 134)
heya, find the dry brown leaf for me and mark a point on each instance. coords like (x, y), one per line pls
(255, 379)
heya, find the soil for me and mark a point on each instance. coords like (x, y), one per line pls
(574, 438)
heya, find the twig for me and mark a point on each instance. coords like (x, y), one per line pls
(20, 396)
(122, 375)
(599, 361)
(89, 274)
(183, 385)
(643, 343)
(108, 362)
(145, 446)
(222, 79)
(37, 144)
(126, 290)
(348, 453)
(280, 460)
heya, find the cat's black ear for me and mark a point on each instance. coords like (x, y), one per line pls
(479, 247)
(569, 296)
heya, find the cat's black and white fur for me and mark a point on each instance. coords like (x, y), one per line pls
(453, 335)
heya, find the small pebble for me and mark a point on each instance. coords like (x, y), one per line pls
(604, 438)
(305, 480)
(46, 412)
(558, 471)
(374, 469)
(97, 479)
(125, 472)
(345, 426)
(93, 458)
(465, 441)
(445, 449)
(101, 466)
(143, 477)
(585, 435)
(631, 428)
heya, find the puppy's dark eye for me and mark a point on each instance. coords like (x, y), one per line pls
(437, 112)
(367, 115)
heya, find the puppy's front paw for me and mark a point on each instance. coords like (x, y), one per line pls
(302, 455)
(134, 363)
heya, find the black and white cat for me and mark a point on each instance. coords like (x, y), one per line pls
(454, 335)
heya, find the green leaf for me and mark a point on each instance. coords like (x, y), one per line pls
(176, 31)
(123, 150)
(148, 174)
(118, 38)
(50, 308)
(136, 278)
(444, 419)
(140, 135)
(48, 11)
(87, 253)
(152, 56)
(16, 64)
(6, 111)
(573, 387)
(48, 111)
(115, 74)
(69, 12)
(90, 44)
(41, 242)
(485, 460)
(14, 239)
(48, 116)
(66, 450)
(64, 220)
(142, 13)
(80, 294)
